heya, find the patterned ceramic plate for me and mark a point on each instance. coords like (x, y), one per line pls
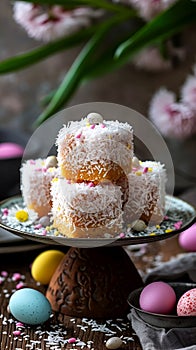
(179, 216)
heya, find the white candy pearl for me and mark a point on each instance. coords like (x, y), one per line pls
(8, 309)
(139, 225)
(135, 162)
(44, 221)
(114, 343)
(94, 118)
(51, 162)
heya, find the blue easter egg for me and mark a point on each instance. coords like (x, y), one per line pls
(30, 306)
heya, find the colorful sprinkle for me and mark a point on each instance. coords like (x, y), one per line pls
(122, 235)
(102, 125)
(91, 184)
(38, 226)
(32, 162)
(20, 285)
(168, 230)
(145, 170)
(178, 225)
(19, 324)
(16, 333)
(5, 211)
(72, 340)
(134, 169)
(138, 173)
(4, 273)
(78, 136)
(92, 126)
(50, 170)
(16, 276)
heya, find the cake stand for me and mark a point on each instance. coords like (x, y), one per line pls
(96, 276)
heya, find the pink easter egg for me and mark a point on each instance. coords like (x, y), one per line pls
(187, 304)
(187, 239)
(10, 150)
(158, 297)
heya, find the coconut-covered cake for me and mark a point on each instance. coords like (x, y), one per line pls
(97, 185)
(86, 210)
(36, 177)
(146, 200)
(93, 149)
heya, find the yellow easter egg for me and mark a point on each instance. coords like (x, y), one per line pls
(45, 264)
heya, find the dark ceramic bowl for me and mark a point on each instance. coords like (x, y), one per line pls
(159, 320)
(10, 167)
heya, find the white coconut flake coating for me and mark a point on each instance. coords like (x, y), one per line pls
(35, 185)
(81, 209)
(146, 192)
(79, 143)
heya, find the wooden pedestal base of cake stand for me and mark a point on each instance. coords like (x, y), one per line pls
(93, 283)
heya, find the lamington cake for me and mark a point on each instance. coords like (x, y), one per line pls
(93, 149)
(36, 177)
(85, 209)
(146, 200)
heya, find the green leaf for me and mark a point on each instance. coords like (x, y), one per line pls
(163, 26)
(75, 74)
(105, 63)
(29, 58)
(112, 60)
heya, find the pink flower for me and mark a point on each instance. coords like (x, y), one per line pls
(150, 59)
(150, 8)
(173, 119)
(51, 23)
(188, 91)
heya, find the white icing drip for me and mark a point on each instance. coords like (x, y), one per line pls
(35, 182)
(114, 142)
(93, 206)
(146, 190)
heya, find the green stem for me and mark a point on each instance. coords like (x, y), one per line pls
(164, 25)
(75, 74)
(29, 58)
(161, 28)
